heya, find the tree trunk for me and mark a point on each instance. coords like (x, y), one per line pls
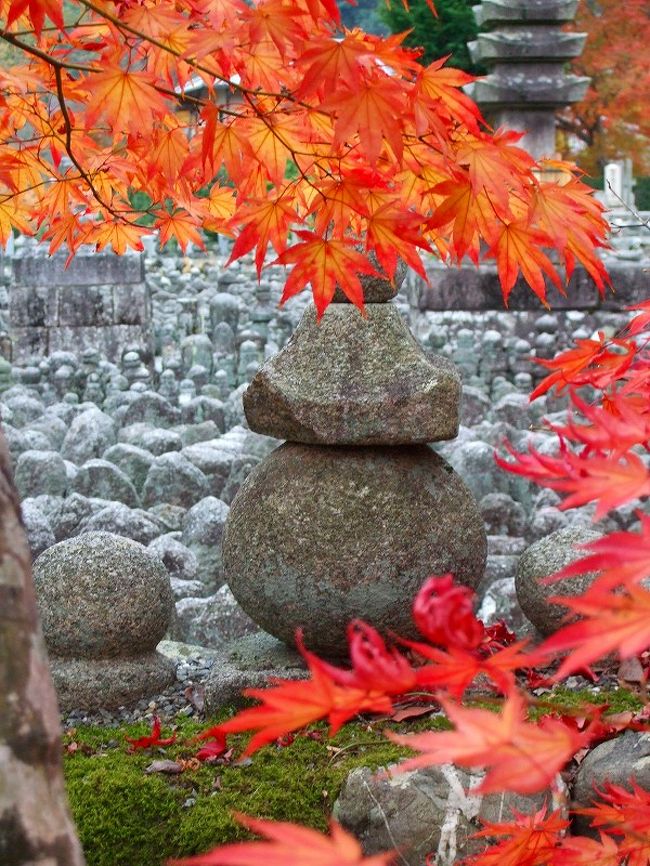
(35, 825)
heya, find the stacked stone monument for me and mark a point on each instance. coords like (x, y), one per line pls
(527, 51)
(351, 514)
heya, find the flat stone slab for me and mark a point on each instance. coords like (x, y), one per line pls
(352, 380)
(250, 662)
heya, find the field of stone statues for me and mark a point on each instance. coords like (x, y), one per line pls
(128, 469)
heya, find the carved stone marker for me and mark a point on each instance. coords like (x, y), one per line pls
(526, 51)
(351, 515)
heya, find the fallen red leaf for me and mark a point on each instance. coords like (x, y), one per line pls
(152, 739)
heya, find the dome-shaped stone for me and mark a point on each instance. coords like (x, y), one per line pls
(542, 559)
(101, 596)
(319, 536)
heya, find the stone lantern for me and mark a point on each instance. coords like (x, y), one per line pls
(354, 511)
(526, 50)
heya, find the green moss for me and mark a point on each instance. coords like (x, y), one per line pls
(129, 818)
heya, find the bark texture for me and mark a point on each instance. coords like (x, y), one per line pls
(35, 825)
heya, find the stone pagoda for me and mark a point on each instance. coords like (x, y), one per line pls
(526, 51)
(354, 511)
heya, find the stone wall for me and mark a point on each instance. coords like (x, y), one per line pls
(98, 301)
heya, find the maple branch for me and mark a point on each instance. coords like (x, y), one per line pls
(43, 55)
(68, 143)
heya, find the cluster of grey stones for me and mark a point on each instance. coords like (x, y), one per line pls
(153, 444)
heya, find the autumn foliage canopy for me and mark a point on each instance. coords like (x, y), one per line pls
(304, 141)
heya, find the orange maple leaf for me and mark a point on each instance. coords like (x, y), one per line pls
(331, 693)
(325, 264)
(264, 222)
(331, 61)
(593, 362)
(611, 621)
(289, 845)
(124, 97)
(455, 669)
(520, 756)
(620, 558)
(36, 10)
(528, 840)
(609, 482)
(119, 234)
(516, 246)
(583, 851)
(391, 233)
(374, 111)
(181, 226)
(438, 93)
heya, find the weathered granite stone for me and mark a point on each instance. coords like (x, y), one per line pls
(318, 536)
(107, 481)
(212, 621)
(156, 441)
(474, 406)
(173, 479)
(502, 515)
(249, 662)
(121, 520)
(618, 761)
(40, 472)
(429, 815)
(74, 509)
(102, 596)
(170, 516)
(178, 559)
(25, 408)
(541, 560)
(202, 409)
(90, 434)
(203, 528)
(376, 290)
(133, 461)
(214, 461)
(239, 471)
(204, 431)
(151, 408)
(314, 393)
(52, 426)
(37, 528)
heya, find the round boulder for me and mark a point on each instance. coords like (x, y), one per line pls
(173, 479)
(319, 536)
(101, 596)
(542, 559)
(615, 761)
(40, 472)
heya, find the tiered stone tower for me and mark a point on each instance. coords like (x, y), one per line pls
(354, 511)
(527, 51)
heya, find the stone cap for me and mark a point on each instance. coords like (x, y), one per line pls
(519, 88)
(352, 380)
(494, 12)
(526, 45)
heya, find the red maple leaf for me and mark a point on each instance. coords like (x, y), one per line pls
(520, 756)
(153, 739)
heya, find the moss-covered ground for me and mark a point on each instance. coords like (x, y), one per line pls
(127, 817)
